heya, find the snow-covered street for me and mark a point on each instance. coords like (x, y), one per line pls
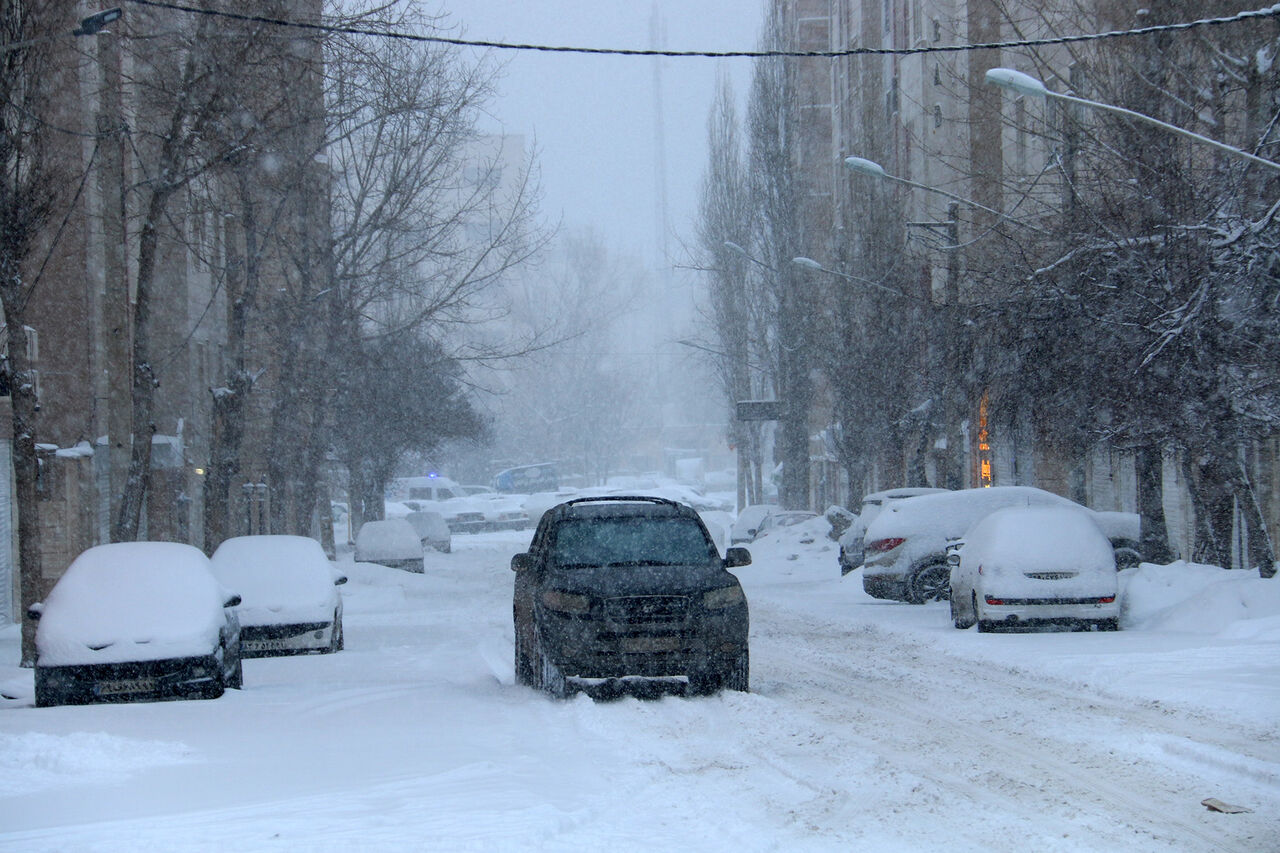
(870, 726)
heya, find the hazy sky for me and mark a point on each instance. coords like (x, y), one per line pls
(592, 118)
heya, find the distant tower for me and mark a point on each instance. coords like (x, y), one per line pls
(658, 41)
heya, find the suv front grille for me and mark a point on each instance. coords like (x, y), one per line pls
(648, 610)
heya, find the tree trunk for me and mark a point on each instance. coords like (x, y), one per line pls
(129, 519)
(1149, 467)
(355, 495)
(1261, 552)
(26, 469)
(1211, 499)
(224, 460)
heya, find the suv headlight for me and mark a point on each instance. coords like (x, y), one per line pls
(723, 597)
(566, 602)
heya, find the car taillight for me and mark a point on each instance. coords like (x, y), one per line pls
(1107, 600)
(882, 545)
(993, 600)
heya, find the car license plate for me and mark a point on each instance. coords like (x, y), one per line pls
(125, 685)
(269, 645)
(650, 644)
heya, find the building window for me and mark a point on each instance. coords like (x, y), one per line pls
(937, 30)
(937, 115)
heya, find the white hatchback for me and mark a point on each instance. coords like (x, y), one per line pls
(1027, 566)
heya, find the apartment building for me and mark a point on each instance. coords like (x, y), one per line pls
(975, 172)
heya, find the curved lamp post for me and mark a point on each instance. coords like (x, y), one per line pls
(1025, 84)
(863, 166)
(811, 264)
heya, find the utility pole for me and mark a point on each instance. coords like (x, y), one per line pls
(117, 337)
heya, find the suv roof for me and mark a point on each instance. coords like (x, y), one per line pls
(607, 505)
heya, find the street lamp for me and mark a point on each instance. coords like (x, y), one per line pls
(863, 166)
(1025, 84)
(93, 24)
(811, 264)
(88, 26)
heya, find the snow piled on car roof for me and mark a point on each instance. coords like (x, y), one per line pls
(1039, 539)
(278, 578)
(131, 601)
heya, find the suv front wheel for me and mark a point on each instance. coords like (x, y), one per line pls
(549, 677)
(734, 675)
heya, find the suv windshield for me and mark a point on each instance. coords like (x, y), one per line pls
(598, 541)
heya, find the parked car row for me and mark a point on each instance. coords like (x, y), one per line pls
(137, 621)
(937, 545)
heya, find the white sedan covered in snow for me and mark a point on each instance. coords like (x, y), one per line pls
(390, 542)
(288, 589)
(1026, 566)
(136, 621)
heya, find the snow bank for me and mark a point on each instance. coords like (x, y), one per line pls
(1195, 598)
(34, 761)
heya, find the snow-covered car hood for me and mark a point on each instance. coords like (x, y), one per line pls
(132, 601)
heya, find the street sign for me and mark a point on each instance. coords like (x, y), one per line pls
(760, 410)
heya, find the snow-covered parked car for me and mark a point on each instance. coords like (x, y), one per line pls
(503, 512)
(906, 545)
(748, 522)
(851, 540)
(136, 621)
(1025, 566)
(391, 542)
(775, 521)
(463, 515)
(432, 529)
(289, 602)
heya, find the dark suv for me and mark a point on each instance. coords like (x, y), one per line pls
(628, 586)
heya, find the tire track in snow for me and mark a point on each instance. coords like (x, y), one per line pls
(909, 693)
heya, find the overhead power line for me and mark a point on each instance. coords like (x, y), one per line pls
(1257, 14)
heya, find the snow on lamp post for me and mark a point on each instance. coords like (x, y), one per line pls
(1025, 84)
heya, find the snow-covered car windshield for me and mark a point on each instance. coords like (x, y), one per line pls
(594, 542)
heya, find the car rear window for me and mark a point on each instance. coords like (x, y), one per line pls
(622, 542)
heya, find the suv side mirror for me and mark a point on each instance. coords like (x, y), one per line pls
(736, 557)
(34, 611)
(523, 562)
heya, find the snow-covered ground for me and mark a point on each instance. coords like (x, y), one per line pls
(870, 726)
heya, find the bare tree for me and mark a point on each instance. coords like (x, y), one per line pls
(733, 297)
(773, 122)
(426, 222)
(576, 399)
(187, 73)
(1160, 289)
(32, 193)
